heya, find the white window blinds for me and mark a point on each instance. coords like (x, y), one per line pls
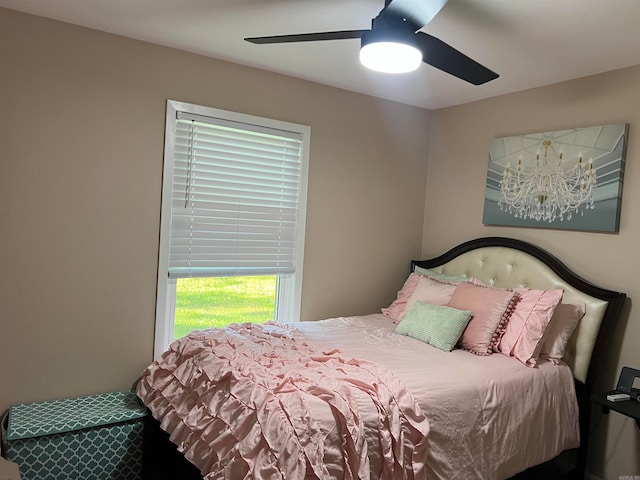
(235, 198)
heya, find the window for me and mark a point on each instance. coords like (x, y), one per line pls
(233, 204)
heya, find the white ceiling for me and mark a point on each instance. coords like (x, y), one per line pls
(530, 43)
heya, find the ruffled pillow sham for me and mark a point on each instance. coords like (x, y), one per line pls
(523, 335)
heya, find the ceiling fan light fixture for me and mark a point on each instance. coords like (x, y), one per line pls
(396, 44)
(390, 57)
(390, 51)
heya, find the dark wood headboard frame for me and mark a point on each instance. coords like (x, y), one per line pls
(615, 302)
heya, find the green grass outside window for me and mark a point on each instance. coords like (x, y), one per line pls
(216, 302)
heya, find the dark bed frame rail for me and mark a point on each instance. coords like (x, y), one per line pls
(615, 301)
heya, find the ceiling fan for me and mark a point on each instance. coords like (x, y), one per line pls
(394, 44)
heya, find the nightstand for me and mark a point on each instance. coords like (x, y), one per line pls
(630, 408)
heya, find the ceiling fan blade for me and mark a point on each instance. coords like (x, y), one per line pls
(418, 12)
(446, 58)
(308, 37)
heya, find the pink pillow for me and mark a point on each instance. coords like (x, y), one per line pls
(563, 322)
(430, 290)
(394, 310)
(523, 335)
(491, 309)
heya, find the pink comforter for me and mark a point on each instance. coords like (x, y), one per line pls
(250, 402)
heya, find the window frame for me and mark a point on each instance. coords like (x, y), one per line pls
(289, 287)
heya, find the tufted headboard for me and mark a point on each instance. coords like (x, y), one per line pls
(510, 263)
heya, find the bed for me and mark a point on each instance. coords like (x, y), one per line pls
(374, 403)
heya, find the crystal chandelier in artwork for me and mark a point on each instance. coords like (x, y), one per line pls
(549, 189)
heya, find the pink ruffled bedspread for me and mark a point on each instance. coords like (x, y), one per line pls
(261, 401)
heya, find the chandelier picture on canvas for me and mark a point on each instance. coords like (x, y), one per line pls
(566, 179)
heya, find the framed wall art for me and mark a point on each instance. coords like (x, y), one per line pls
(566, 179)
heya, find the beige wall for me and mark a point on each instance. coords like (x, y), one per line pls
(81, 130)
(457, 170)
(81, 136)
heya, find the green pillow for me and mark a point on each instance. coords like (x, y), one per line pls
(440, 276)
(436, 325)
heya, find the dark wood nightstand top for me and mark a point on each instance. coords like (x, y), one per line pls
(630, 408)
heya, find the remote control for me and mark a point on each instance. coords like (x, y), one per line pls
(618, 397)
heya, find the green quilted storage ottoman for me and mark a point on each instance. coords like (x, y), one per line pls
(89, 438)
